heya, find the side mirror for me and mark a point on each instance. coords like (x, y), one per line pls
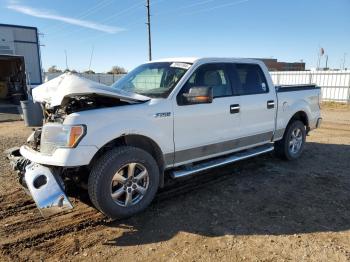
(199, 95)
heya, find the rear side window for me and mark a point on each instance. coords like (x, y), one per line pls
(248, 79)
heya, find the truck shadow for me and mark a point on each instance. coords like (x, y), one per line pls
(262, 196)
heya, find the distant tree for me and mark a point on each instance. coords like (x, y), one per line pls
(89, 72)
(117, 70)
(71, 71)
(54, 69)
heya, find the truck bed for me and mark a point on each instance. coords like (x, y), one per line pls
(293, 97)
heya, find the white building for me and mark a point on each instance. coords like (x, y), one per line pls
(23, 41)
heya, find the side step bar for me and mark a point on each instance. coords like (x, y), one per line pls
(222, 161)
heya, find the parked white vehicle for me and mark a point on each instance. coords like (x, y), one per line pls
(173, 117)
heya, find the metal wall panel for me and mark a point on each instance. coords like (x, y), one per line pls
(30, 53)
(24, 34)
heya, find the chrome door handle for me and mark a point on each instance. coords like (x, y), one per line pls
(270, 104)
(234, 108)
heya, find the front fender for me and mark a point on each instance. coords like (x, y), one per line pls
(105, 125)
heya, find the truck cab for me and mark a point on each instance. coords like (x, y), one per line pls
(241, 114)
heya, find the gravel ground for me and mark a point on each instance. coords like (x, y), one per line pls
(262, 209)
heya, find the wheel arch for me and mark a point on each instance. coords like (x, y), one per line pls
(138, 141)
(301, 116)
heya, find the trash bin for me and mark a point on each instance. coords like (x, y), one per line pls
(32, 113)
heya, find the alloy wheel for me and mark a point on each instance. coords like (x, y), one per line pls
(295, 141)
(129, 184)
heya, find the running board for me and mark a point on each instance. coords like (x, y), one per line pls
(222, 161)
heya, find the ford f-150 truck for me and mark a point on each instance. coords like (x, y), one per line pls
(172, 117)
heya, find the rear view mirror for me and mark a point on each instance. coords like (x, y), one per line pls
(199, 95)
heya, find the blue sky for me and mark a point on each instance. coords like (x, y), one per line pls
(288, 30)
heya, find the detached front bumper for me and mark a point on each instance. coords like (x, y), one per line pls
(42, 183)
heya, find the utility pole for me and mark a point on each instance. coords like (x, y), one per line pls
(318, 61)
(149, 31)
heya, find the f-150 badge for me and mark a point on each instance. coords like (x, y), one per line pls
(162, 114)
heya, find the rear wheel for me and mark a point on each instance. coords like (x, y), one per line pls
(123, 182)
(292, 144)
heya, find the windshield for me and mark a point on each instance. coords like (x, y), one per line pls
(153, 79)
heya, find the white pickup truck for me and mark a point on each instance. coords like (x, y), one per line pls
(172, 117)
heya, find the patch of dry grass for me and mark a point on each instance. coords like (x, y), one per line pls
(334, 105)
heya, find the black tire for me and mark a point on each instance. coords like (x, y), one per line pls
(102, 173)
(282, 147)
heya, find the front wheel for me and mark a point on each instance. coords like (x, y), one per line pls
(123, 182)
(291, 146)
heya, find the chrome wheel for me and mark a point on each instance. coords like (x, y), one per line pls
(129, 184)
(295, 141)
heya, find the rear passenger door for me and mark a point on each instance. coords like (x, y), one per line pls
(257, 102)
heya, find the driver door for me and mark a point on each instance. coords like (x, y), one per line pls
(206, 130)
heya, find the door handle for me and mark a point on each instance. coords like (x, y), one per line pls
(234, 108)
(270, 104)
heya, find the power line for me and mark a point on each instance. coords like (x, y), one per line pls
(148, 23)
(190, 6)
(119, 14)
(216, 7)
(109, 18)
(93, 9)
(186, 7)
(199, 3)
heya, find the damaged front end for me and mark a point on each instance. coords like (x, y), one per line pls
(70, 93)
(51, 153)
(41, 182)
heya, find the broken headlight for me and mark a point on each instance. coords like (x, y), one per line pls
(55, 136)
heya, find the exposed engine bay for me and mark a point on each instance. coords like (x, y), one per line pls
(79, 103)
(70, 93)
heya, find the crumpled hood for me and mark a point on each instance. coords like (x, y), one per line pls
(68, 85)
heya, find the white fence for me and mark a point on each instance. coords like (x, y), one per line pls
(106, 79)
(335, 85)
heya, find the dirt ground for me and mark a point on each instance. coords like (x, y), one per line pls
(262, 209)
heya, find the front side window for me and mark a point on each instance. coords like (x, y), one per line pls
(153, 79)
(248, 79)
(210, 75)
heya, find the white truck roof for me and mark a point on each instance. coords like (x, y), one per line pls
(192, 60)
